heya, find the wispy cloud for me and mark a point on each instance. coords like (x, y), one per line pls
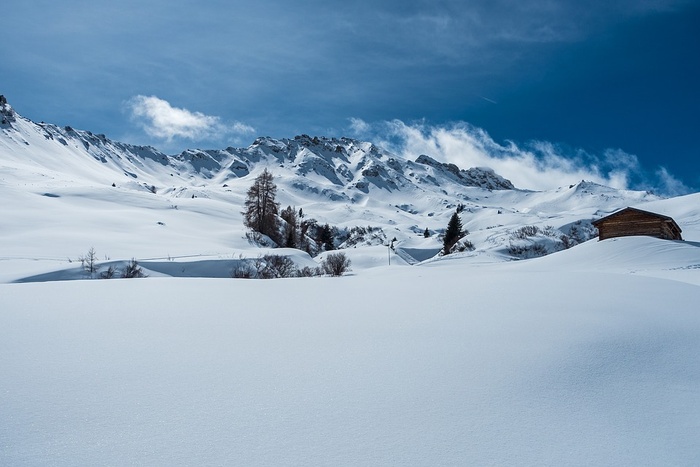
(537, 165)
(670, 185)
(359, 126)
(161, 120)
(242, 128)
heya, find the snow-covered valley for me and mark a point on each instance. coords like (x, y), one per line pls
(585, 356)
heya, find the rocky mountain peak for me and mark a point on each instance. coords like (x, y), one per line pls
(483, 177)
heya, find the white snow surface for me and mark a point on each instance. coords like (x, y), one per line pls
(587, 356)
(446, 365)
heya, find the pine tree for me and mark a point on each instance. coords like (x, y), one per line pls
(426, 233)
(261, 209)
(452, 234)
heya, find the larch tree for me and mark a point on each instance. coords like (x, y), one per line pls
(261, 209)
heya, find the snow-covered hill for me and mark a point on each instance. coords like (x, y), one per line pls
(587, 356)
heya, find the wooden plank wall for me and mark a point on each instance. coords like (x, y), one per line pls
(634, 223)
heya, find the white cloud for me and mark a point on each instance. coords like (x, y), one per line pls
(242, 128)
(359, 126)
(161, 120)
(538, 165)
(670, 185)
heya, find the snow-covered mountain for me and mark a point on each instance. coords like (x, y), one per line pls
(192, 201)
(340, 168)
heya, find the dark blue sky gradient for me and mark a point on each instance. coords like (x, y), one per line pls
(634, 88)
(585, 76)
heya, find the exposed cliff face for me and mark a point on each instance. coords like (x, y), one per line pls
(7, 115)
(483, 177)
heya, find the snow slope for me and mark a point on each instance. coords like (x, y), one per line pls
(587, 356)
(483, 365)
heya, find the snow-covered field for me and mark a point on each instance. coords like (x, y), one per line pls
(508, 364)
(587, 356)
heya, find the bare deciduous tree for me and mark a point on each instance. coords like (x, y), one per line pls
(336, 264)
(276, 266)
(89, 261)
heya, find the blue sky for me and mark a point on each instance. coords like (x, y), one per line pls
(544, 91)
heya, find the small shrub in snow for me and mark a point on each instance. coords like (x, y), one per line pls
(335, 264)
(132, 270)
(277, 266)
(463, 245)
(265, 267)
(538, 250)
(524, 232)
(532, 250)
(549, 231)
(309, 272)
(109, 273)
(244, 270)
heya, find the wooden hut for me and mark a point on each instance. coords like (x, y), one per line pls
(631, 221)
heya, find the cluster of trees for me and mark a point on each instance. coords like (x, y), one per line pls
(287, 227)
